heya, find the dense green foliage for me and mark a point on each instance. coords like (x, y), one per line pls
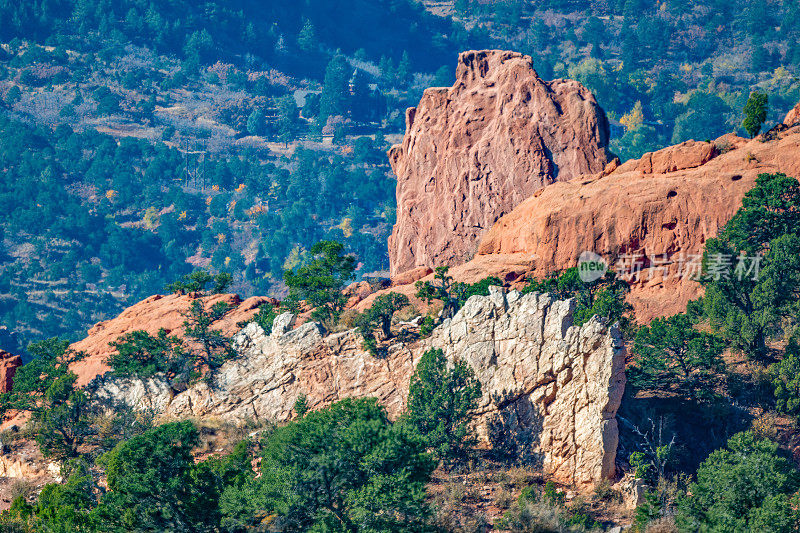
(117, 246)
(61, 417)
(149, 480)
(319, 282)
(674, 357)
(752, 269)
(441, 403)
(143, 355)
(786, 379)
(345, 468)
(747, 487)
(604, 297)
(755, 113)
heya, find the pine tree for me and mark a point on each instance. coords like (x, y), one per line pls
(755, 113)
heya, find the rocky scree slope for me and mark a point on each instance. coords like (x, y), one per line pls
(550, 389)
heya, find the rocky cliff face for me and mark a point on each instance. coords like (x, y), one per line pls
(8, 367)
(474, 151)
(654, 213)
(650, 218)
(550, 390)
(793, 117)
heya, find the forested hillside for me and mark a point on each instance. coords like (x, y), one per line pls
(144, 139)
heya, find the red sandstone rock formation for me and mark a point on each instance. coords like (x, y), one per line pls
(152, 314)
(662, 206)
(474, 151)
(8, 367)
(793, 117)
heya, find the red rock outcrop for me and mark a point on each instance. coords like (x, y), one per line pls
(474, 151)
(793, 117)
(660, 209)
(8, 367)
(152, 314)
(689, 154)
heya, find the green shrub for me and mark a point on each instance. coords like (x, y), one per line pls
(379, 317)
(441, 404)
(604, 297)
(198, 281)
(748, 486)
(143, 355)
(319, 282)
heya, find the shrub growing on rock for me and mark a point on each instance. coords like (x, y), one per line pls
(214, 347)
(143, 355)
(755, 113)
(319, 282)
(379, 317)
(198, 281)
(453, 295)
(604, 297)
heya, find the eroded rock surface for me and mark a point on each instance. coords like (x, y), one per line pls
(8, 367)
(550, 389)
(793, 117)
(661, 209)
(474, 151)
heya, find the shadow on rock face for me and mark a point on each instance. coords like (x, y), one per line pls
(514, 433)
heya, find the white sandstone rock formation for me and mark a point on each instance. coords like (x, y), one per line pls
(550, 389)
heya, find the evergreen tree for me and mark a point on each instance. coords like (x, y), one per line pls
(748, 486)
(672, 356)
(287, 119)
(149, 483)
(344, 468)
(307, 39)
(379, 316)
(786, 379)
(320, 281)
(441, 404)
(215, 347)
(335, 88)
(256, 123)
(755, 113)
(752, 269)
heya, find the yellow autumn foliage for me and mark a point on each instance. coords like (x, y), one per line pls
(634, 118)
(346, 227)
